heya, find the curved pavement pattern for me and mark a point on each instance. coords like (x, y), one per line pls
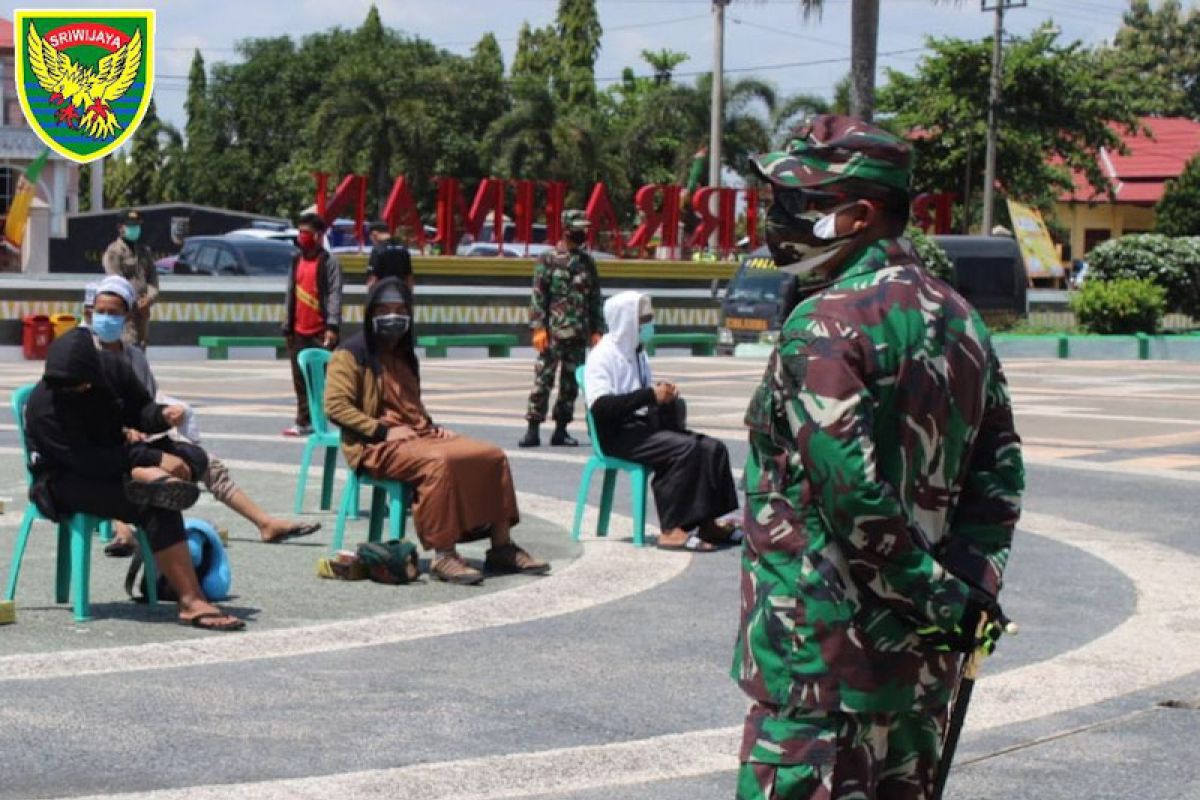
(608, 678)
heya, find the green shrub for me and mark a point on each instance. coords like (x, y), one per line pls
(932, 255)
(1178, 212)
(1125, 305)
(1173, 264)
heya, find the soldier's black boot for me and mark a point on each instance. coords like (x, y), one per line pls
(532, 439)
(561, 438)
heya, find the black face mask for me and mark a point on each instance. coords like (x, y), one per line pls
(391, 328)
(794, 246)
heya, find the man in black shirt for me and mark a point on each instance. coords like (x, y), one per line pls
(389, 257)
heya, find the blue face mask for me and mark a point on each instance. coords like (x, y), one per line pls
(108, 327)
(646, 332)
(133, 232)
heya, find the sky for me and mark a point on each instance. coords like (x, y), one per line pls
(770, 39)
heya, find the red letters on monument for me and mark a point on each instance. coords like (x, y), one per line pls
(659, 207)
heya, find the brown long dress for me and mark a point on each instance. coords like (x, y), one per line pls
(461, 486)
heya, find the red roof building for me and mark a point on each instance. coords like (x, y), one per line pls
(1139, 179)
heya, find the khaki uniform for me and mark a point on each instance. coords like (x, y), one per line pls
(137, 267)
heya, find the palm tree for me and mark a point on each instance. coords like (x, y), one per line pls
(864, 42)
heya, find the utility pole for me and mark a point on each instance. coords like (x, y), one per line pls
(717, 110)
(989, 176)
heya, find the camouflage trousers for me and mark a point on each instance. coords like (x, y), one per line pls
(831, 755)
(564, 355)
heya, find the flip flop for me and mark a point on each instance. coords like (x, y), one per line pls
(118, 549)
(295, 532)
(693, 544)
(169, 493)
(198, 622)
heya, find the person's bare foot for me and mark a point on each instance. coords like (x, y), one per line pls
(208, 617)
(277, 530)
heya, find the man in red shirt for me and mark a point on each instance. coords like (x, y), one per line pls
(314, 307)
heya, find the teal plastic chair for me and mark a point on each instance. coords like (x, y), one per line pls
(313, 363)
(387, 497)
(74, 538)
(639, 475)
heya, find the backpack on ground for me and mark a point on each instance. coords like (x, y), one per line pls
(208, 557)
(393, 562)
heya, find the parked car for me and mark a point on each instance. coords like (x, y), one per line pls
(277, 234)
(234, 255)
(165, 265)
(492, 250)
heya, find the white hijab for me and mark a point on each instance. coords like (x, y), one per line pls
(617, 365)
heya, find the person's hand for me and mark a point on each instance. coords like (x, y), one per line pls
(441, 433)
(596, 337)
(401, 433)
(664, 393)
(329, 340)
(133, 436)
(176, 467)
(979, 628)
(143, 302)
(541, 340)
(174, 415)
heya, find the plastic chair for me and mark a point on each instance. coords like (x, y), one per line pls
(639, 475)
(313, 363)
(387, 496)
(74, 538)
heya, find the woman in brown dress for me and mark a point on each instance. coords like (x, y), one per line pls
(462, 487)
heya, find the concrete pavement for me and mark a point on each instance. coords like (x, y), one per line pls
(607, 679)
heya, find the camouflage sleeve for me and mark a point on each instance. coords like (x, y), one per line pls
(595, 301)
(989, 503)
(111, 261)
(150, 273)
(541, 294)
(832, 410)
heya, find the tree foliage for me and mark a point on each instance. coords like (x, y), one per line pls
(1058, 108)
(1157, 53)
(1178, 212)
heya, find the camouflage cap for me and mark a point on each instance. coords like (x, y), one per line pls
(575, 220)
(832, 148)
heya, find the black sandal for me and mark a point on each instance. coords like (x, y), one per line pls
(119, 548)
(197, 621)
(169, 493)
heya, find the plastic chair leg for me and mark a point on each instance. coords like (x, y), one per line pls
(62, 572)
(106, 531)
(302, 478)
(395, 515)
(405, 505)
(606, 501)
(354, 509)
(14, 567)
(378, 508)
(331, 454)
(639, 479)
(349, 501)
(81, 564)
(585, 484)
(149, 566)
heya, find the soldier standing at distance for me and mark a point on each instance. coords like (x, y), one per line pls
(883, 484)
(566, 315)
(131, 260)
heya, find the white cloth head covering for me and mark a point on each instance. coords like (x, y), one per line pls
(115, 284)
(617, 365)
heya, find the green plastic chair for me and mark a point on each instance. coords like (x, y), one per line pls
(313, 363)
(74, 538)
(387, 497)
(639, 475)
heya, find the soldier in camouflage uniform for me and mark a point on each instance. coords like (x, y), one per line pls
(566, 315)
(883, 484)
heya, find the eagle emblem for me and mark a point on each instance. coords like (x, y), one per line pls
(84, 80)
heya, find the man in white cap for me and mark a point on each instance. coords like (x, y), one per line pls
(114, 297)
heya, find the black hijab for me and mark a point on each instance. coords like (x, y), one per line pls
(391, 290)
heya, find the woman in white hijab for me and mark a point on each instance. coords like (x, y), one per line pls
(641, 421)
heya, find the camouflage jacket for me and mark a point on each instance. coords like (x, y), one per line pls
(883, 471)
(566, 296)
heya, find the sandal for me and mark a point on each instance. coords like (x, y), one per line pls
(295, 532)
(693, 543)
(119, 548)
(720, 532)
(169, 493)
(198, 621)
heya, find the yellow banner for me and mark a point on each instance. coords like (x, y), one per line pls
(1037, 248)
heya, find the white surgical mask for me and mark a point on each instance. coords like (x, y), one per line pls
(826, 226)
